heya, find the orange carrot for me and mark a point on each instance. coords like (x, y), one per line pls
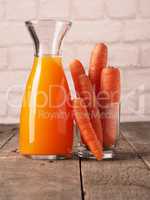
(110, 84)
(110, 124)
(76, 69)
(98, 61)
(88, 95)
(87, 132)
(84, 89)
(110, 89)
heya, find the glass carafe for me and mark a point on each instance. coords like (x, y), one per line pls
(46, 126)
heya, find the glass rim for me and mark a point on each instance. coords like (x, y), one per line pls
(50, 20)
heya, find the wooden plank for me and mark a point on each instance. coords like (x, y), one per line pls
(6, 133)
(12, 144)
(138, 136)
(126, 177)
(24, 178)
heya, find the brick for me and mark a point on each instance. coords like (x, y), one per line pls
(95, 31)
(57, 8)
(121, 9)
(87, 9)
(144, 8)
(123, 55)
(136, 30)
(145, 56)
(3, 104)
(21, 57)
(2, 10)
(136, 79)
(20, 10)
(13, 80)
(128, 102)
(3, 58)
(14, 33)
(14, 102)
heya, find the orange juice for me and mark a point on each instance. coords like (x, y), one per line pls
(46, 126)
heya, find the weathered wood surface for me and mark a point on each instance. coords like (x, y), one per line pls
(124, 178)
(127, 177)
(138, 136)
(6, 133)
(23, 178)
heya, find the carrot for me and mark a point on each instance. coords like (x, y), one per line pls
(76, 69)
(110, 84)
(84, 89)
(88, 95)
(110, 124)
(87, 132)
(98, 61)
(110, 89)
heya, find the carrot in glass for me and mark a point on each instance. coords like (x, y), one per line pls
(87, 132)
(88, 95)
(76, 69)
(110, 84)
(110, 88)
(98, 61)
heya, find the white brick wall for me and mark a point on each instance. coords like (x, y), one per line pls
(13, 33)
(25, 55)
(14, 100)
(124, 55)
(2, 10)
(94, 9)
(136, 30)
(136, 79)
(3, 58)
(123, 25)
(20, 10)
(100, 30)
(3, 103)
(128, 102)
(54, 8)
(12, 80)
(145, 53)
(121, 9)
(144, 8)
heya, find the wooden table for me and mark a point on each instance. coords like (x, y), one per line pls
(126, 177)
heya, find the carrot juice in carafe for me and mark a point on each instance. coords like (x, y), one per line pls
(46, 126)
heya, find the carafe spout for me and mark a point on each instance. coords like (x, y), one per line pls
(48, 35)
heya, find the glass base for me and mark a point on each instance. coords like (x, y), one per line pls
(86, 154)
(81, 152)
(108, 154)
(48, 157)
